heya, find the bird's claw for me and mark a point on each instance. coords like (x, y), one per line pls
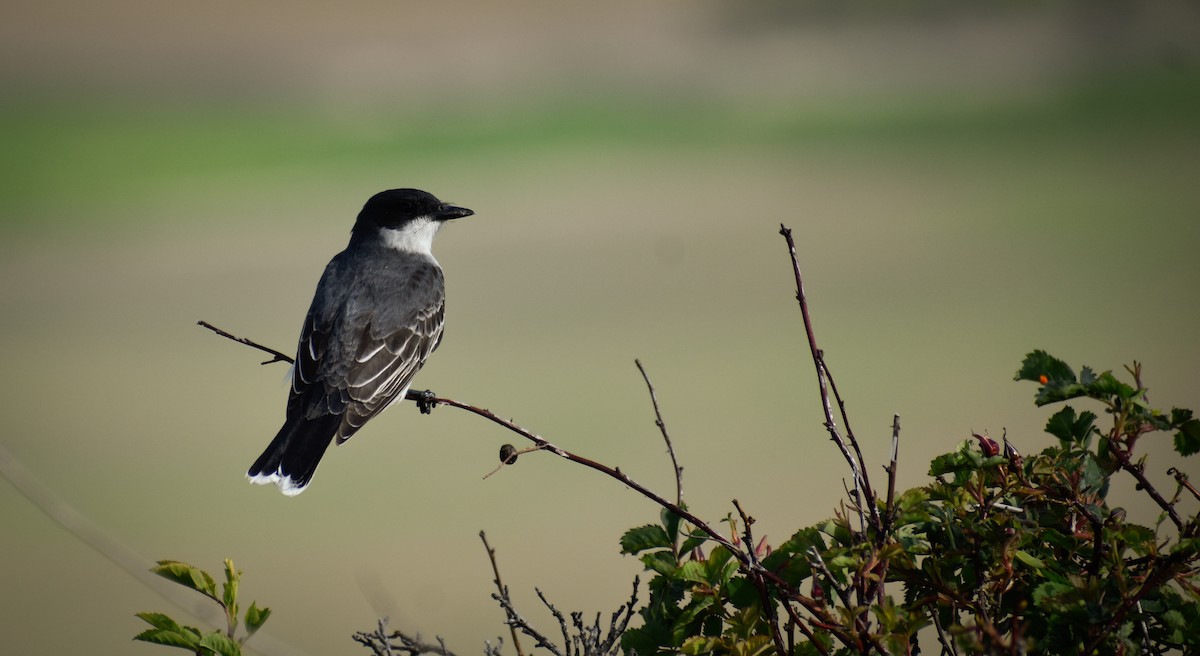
(426, 400)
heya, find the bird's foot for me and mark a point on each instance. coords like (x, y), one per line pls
(426, 400)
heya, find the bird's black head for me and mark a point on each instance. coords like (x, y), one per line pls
(396, 207)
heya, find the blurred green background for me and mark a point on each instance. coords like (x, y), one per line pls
(965, 185)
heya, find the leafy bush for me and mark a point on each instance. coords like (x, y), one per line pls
(999, 554)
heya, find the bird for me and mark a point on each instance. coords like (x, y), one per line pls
(377, 315)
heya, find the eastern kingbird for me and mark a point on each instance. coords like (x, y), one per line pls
(377, 314)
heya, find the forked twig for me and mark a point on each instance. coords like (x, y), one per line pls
(662, 426)
(545, 445)
(278, 356)
(824, 380)
(501, 588)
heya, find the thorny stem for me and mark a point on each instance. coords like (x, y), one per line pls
(824, 380)
(1122, 456)
(768, 604)
(546, 445)
(662, 427)
(823, 617)
(500, 588)
(279, 356)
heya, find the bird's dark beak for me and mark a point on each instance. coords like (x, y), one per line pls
(448, 212)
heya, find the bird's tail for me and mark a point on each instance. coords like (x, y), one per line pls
(292, 457)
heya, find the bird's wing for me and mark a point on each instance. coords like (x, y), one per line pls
(387, 354)
(310, 395)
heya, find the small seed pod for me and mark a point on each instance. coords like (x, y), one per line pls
(508, 454)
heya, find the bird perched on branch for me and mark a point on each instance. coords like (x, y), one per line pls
(377, 315)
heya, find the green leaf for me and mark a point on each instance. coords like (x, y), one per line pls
(670, 523)
(255, 618)
(1056, 377)
(219, 643)
(1069, 428)
(187, 576)
(1032, 561)
(1040, 363)
(1190, 546)
(1107, 385)
(662, 562)
(696, 645)
(966, 458)
(1052, 596)
(800, 542)
(694, 571)
(1094, 478)
(167, 632)
(230, 589)
(642, 538)
(721, 565)
(181, 639)
(837, 530)
(1140, 539)
(159, 621)
(691, 543)
(1187, 440)
(1179, 416)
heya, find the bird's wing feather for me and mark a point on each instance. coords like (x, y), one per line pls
(366, 335)
(385, 363)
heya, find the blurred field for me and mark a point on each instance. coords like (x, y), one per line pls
(963, 187)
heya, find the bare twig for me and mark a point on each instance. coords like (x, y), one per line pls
(500, 588)
(515, 619)
(1122, 456)
(764, 594)
(560, 618)
(890, 468)
(948, 648)
(546, 445)
(578, 638)
(385, 644)
(747, 565)
(278, 356)
(662, 427)
(1182, 479)
(861, 481)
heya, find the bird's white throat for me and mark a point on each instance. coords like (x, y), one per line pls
(416, 236)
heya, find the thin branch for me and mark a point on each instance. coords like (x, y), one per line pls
(947, 645)
(662, 427)
(1164, 569)
(1122, 457)
(515, 619)
(861, 481)
(500, 588)
(808, 633)
(384, 644)
(746, 563)
(764, 594)
(890, 508)
(1182, 479)
(278, 356)
(562, 620)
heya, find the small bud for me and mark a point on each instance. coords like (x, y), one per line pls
(1043, 379)
(987, 445)
(508, 454)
